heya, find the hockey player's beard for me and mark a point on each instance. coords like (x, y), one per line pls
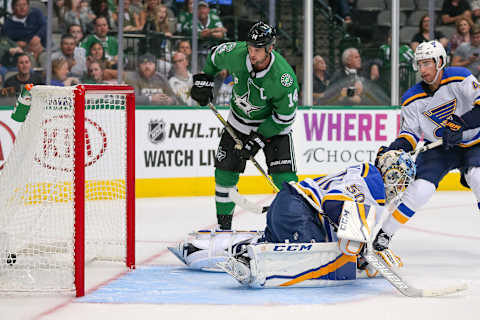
(260, 65)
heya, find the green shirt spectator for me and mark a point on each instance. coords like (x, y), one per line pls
(109, 44)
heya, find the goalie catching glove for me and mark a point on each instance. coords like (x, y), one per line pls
(254, 143)
(202, 89)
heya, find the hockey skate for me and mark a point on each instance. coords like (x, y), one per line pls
(238, 268)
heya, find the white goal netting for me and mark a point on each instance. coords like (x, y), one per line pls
(37, 217)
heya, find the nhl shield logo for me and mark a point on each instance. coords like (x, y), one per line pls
(156, 131)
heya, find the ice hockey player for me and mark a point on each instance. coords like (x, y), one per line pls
(315, 229)
(263, 107)
(445, 104)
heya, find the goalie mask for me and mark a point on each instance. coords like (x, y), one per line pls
(398, 171)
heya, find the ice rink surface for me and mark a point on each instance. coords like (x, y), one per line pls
(440, 246)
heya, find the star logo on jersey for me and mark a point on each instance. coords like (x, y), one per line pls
(440, 113)
(156, 131)
(243, 101)
(286, 80)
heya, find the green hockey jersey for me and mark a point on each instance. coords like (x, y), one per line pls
(265, 101)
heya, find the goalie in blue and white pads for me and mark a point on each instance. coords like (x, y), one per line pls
(317, 227)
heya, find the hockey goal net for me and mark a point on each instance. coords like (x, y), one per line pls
(67, 189)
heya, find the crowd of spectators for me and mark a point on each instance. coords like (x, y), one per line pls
(87, 51)
(359, 77)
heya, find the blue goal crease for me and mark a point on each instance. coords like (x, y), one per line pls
(180, 285)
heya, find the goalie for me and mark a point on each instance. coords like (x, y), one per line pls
(315, 229)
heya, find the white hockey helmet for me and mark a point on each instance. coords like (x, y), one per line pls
(430, 50)
(398, 171)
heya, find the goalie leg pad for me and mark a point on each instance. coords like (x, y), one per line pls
(204, 249)
(299, 265)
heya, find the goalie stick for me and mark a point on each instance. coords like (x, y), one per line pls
(387, 272)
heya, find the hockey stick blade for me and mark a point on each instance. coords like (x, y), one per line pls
(401, 285)
(244, 203)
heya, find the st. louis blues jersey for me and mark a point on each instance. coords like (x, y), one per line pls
(361, 183)
(423, 112)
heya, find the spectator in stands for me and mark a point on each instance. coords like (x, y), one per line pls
(109, 43)
(59, 11)
(185, 48)
(184, 15)
(148, 13)
(79, 12)
(27, 26)
(405, 60)
(462, 35)
(209, 25)
(349, 78)
(97, 53)
(131, 21)
(150, 86)
(454, 10)
(60, 74)
(181, 81)
(343, 8)
(38, 56)
(475, 4)
(159, 30)
(25, 74)
(77, 64)
(76, 31)
(424, 34)
(101, 8)
(136, 7)
(210, 30)
(467, 54)
(94, 73)
(321, 79)
(9, 50)
(225, 88)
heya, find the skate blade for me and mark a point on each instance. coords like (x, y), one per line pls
(177, 254)
(230, 266)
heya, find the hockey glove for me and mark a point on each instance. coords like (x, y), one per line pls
(381, 240)
(453, 131)
(202, 89)
(254, 143)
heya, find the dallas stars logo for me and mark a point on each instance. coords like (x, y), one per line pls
(286, 80)
(243, 101)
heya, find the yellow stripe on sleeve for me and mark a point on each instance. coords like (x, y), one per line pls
(366, 169)
(419, 95)
(399, 217)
